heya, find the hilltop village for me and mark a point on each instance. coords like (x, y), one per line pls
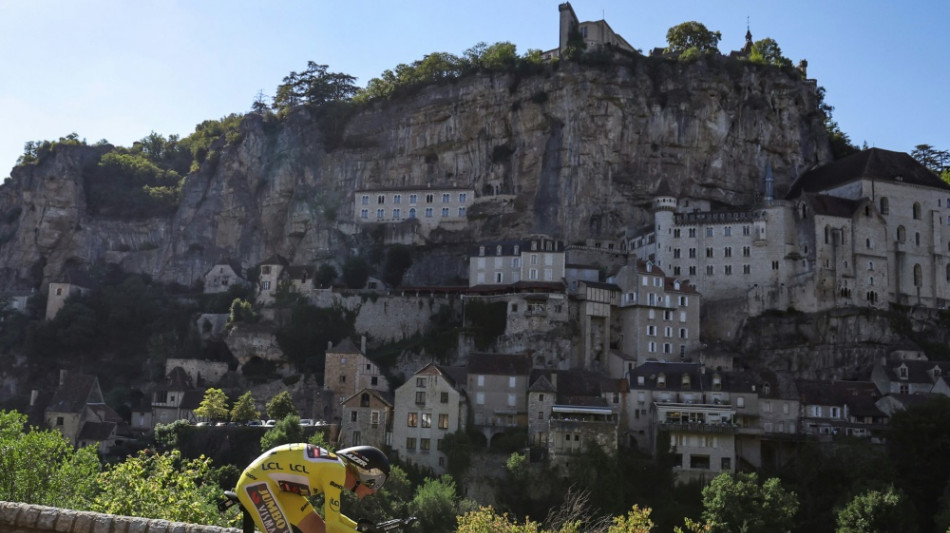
(610, 340)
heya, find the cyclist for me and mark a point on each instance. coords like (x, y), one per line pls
(275, 487)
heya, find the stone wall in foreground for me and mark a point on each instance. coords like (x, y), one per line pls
(25, 518)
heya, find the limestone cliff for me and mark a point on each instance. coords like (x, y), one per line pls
(572, 150)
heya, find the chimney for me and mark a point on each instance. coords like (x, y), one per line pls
(329, 345)
(62, 376)
(34, 394)
(363, 344)
(554, 380)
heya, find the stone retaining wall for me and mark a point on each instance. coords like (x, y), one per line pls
(26, 518)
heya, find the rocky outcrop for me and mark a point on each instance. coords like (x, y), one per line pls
(571, 150)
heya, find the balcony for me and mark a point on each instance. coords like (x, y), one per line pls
(699, 427)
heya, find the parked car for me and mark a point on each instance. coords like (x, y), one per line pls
(270, 423)
(203, 424)
(306, 422)
(256, 423)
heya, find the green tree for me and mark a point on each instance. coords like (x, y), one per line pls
(314, 86)
(434, 505)
(740, 504)
(355, 272)
(281, 405)
(875, 511)
(692, 37)
(244, 409)
(917, 442)
(326, 275)
(287, 430)
(637, 520)
(397, 262)
(168, 436)
(41, 467)
(241, 311)
(163, 486)
(937, 161)
(76, 325)
(214, 405)
(768, 52)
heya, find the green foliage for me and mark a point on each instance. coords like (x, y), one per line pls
(36, 151)
(304, 338)
(739, 503)
(768, 52)
(841, 145)
(875, 511)
(130, 186)
(163, 486)
(397, 262)
(41, 467)
(692, 37)
(168, 436)
(281, 406)
(241, 311)
(244, 409)
(211, 135)
(326, 275)
(636, 520)
(434, 505)
(392, 501)
(937, 161)
(486, 321)
(287, 430)
(356, 272)
(314, 86)
(576, 45)
(917, 442)
(214, 405)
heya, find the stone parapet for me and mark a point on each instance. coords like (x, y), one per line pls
(26, 518)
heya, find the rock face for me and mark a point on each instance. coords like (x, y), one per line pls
(573, 150)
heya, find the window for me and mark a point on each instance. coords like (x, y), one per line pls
(916, 210)
(429, 198)
(364, 200)
(727, 231)
(676, 234)
(420, 398)
(692, 253)
(746, 231)
(265, 285)
(774, 265)
(667, 332)
(397, 198)
(380, 199)
(443, 421)
(463, 197)
(709, 232)
(379, 214)
(884, 206)
(728, 251)
(426, 420)
(709, 270)
(511, 400)
(746, 269)
(413, 420)
(353, 415)
(684, 333)
(918, 277)
(901, 234)
(727, 270)
(396, 214)
(428, 212)
(424, 444)
(699, 462)
(412, 198)
(480, 398)
(364, 213)
(445, 211)
(692, 232)
(709, 252)
(410, 443)
(412, 212)
(446, 198)
(461, 211)
(676, 253)
(374, 418)
(740, 402)
(692, 270)
(444, 397)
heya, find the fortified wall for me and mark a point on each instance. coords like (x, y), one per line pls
(25, 518)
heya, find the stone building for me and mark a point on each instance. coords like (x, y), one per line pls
(222, 276)
(367, 419)
(429, 206)
(431, 404)
(867, 230)
(347, 370)
(659, 315)
(497, 387)
(537, 258)
(595, 34)
(72, 283)
(78, 411)
(839, 408)
(176, 398)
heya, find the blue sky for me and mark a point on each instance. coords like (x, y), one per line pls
(118, 70)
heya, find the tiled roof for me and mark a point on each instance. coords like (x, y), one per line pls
(385, 397)
(73, 395)
(457, 376)
(178, 380)
(822, 204)
(917, 371)
(875, 163)
(96, 431)
(814, 392)
(345, 346)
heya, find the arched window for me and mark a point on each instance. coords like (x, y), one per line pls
(884, 206)
(917, 238)
(916, 211)
(901, 234)
(827, 233)
(868, 243)
(918, 276)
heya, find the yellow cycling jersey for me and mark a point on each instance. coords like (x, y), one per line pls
(275, 487)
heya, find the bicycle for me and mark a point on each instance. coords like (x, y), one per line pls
(247, 523)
